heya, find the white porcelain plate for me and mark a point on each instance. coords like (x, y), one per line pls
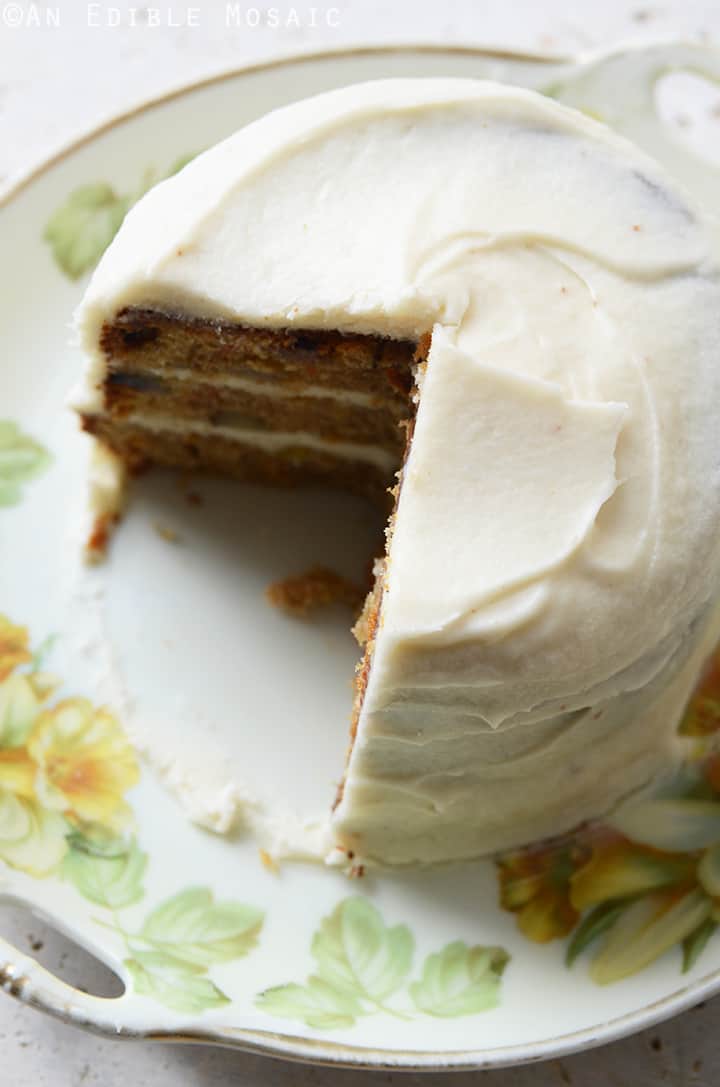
(173, 640)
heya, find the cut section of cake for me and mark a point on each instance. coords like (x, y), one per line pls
(516, 312)
(278, 407)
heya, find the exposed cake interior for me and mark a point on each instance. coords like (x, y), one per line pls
(278, 408)
(266, 406)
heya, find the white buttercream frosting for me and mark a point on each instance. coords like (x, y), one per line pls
(554, 560)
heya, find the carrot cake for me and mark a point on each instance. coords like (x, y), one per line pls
(508, 315)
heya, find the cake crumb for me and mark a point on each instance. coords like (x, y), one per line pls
(423, 348)
(194, 499)
(166, 533)
(99, 538)
(317, 587)
(357, 871)
(97, 543)
(269, 862)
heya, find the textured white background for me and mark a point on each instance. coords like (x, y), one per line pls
(57, 82)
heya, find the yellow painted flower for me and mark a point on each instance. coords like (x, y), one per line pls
(31, 838)
(21, 699)
(619, 869)
(13, 647)
(84, 763)
(17, 772)
(647, 927)
(535, 885)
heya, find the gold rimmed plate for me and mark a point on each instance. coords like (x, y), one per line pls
(173, 634)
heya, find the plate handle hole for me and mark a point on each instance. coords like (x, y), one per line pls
(57, 953)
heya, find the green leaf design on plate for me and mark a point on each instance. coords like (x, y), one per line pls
(597, 921)
(362, 962)
(110, 881)
(318, 1004)
(21, 459)
(357, 953)
(42, 652)
(82, 228)
(696, 942)
(198, 930)
(460, 980)
(174, 983)
(19, 706)
(98, 841)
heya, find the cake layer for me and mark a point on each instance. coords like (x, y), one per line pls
(250, 404)
(274, 459)
(270, 386)
(140, 339)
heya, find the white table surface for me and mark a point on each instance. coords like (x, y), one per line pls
(59, 81)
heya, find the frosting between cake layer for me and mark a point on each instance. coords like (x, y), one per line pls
(269, 439)
(266, 388)
(556, 540)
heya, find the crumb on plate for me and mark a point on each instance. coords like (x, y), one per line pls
(316, 588)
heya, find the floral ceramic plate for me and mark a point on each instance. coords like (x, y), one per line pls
(545, 951)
